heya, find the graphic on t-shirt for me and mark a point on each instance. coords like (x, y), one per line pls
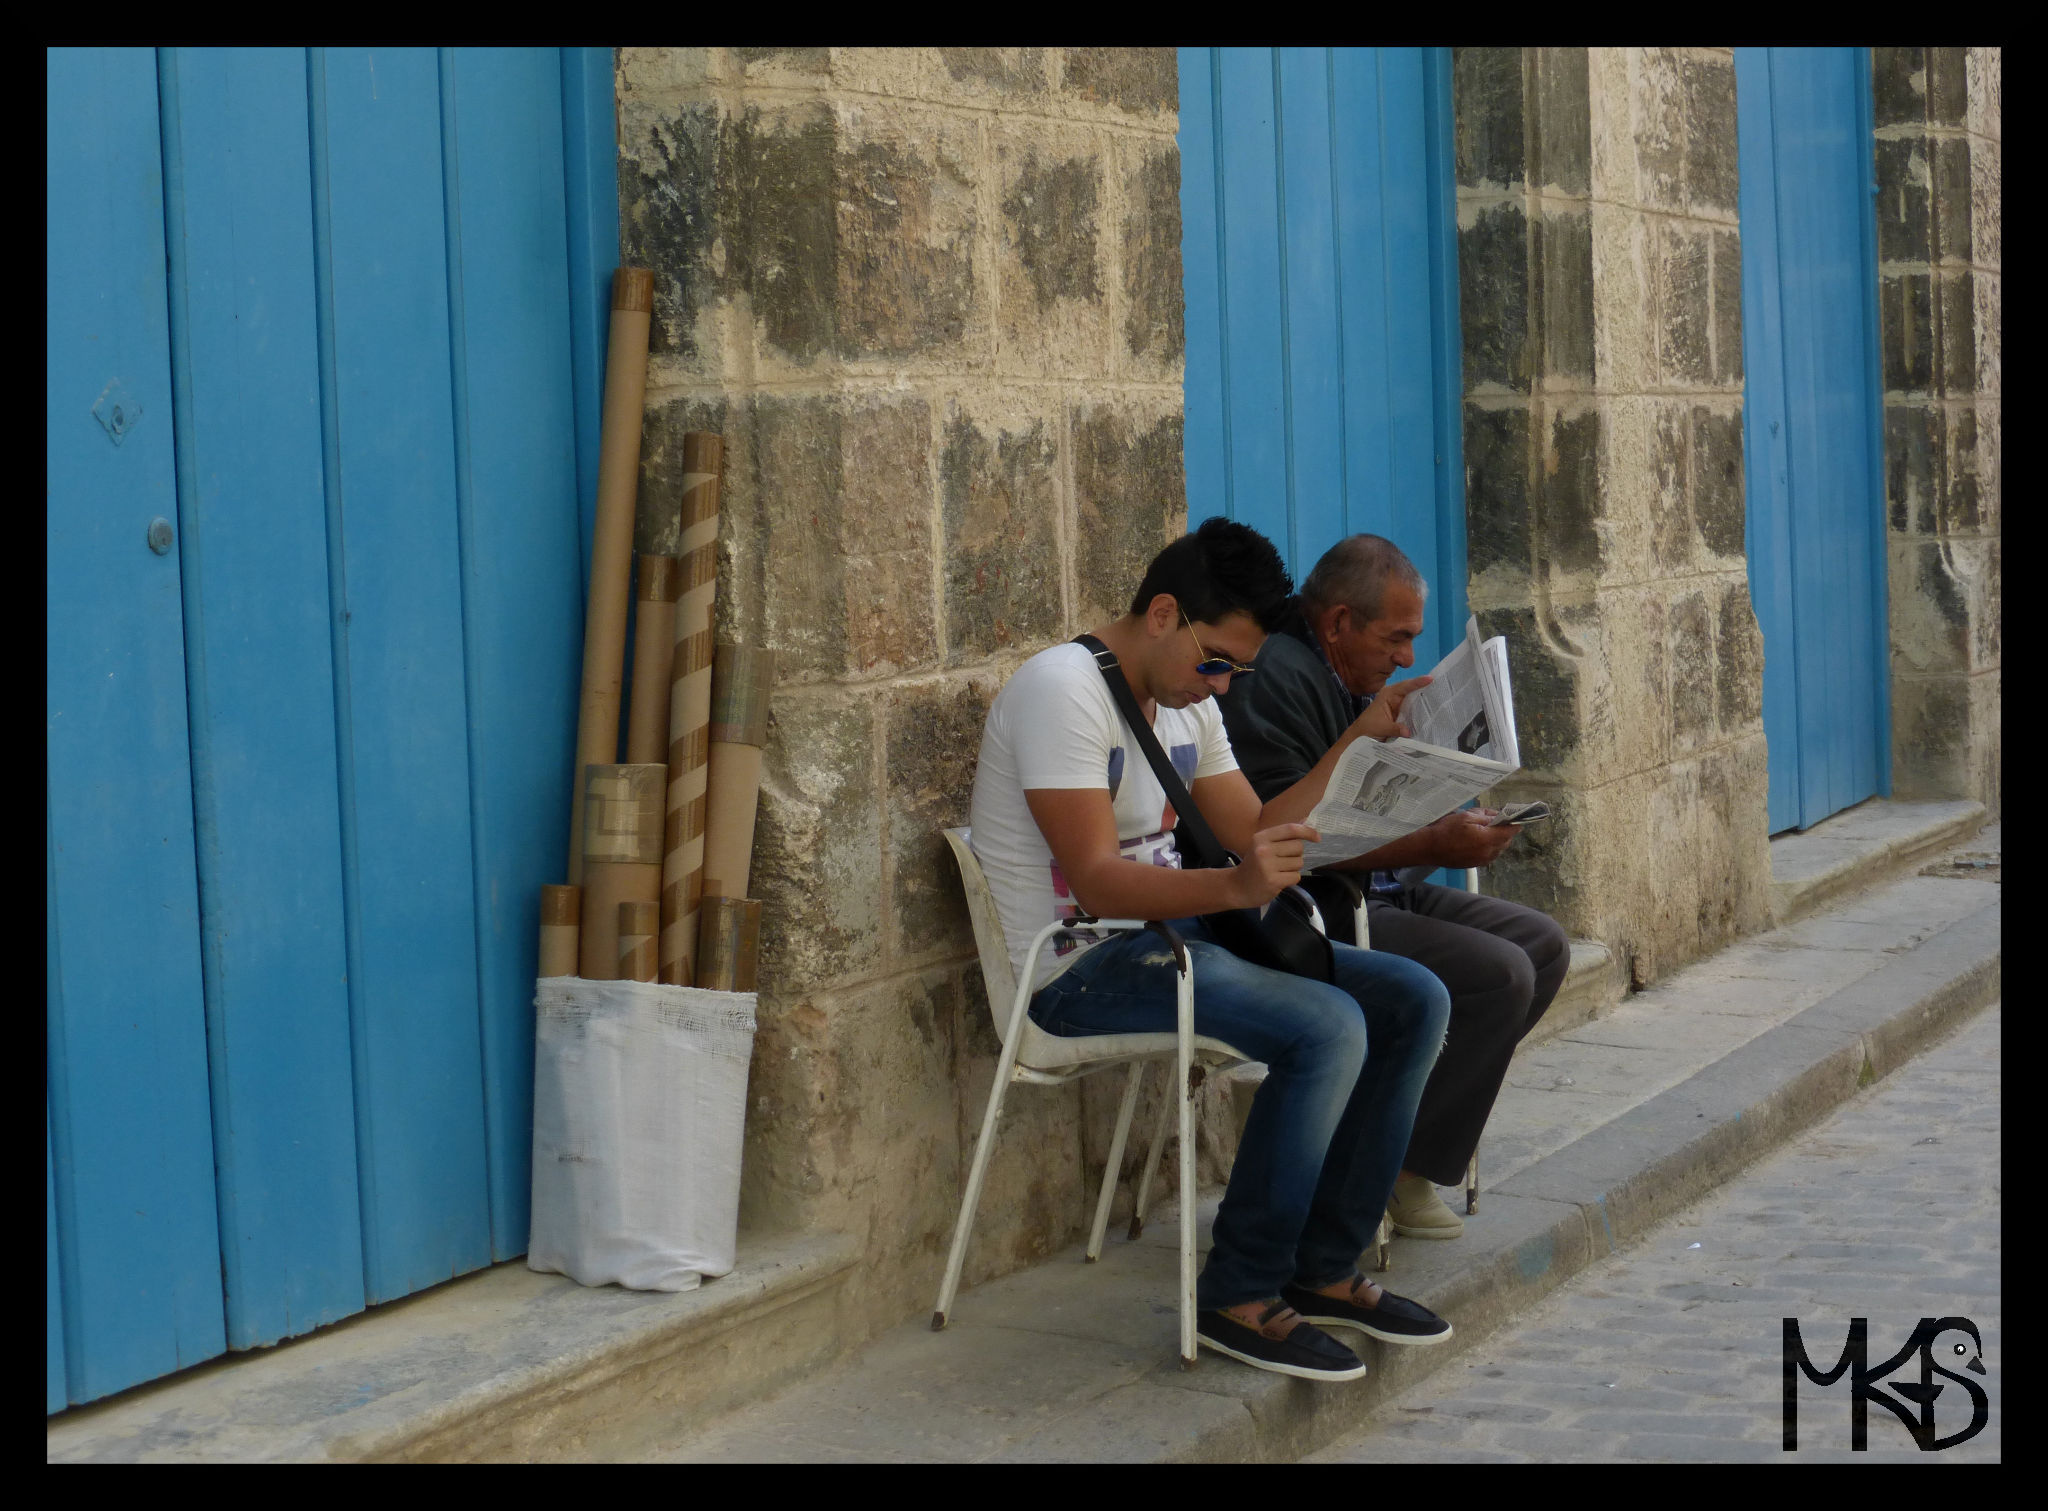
(1182, 758)
(1154, 849)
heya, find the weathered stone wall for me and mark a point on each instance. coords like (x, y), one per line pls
(1937, 122)
(932, 298)
(1600, 290)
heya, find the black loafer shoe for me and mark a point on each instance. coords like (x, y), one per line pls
(1395, 1320)
(1305, 1351)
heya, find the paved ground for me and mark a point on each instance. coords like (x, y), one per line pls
(1672, 1351)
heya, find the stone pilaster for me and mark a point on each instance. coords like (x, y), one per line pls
(1938, 158)
(1600, 293)
(932, 298)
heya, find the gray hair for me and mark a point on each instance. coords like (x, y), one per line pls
(1354, 572)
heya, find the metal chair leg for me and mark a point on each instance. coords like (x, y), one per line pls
(1383, 1245)
(1114, 1168)
(1144, 1197)
(1006, 1066)
(1184, 1092)
(1472, 1185)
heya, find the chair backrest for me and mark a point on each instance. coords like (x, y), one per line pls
(989, 940)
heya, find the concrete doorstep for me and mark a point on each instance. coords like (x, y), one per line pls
(505, 1365)
(1615, 1116)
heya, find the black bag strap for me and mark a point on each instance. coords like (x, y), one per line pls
(1209, 851)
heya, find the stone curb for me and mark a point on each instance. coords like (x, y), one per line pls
(1571, 1208)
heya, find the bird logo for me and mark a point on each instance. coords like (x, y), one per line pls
(1911, 1401)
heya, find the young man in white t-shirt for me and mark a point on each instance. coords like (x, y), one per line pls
(1068, 819)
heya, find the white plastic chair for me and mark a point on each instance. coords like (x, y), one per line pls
(1035, 1057)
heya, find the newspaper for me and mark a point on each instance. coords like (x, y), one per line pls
(1467, 706)
(1463, 743)
(1381, 791)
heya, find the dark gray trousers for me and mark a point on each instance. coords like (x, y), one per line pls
(1502, 964)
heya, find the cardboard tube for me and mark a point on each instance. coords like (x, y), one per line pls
(728, 944)
(639, 927)
(611, 546)
(740, 679)
(621, 857)
(560, 909)
(654, 644)
(682, 874)
(607, 884)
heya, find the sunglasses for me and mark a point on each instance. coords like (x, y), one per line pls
(1214, 666)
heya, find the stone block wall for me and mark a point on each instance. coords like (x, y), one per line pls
(1937, 123)
(1600, 301)
(932, 299)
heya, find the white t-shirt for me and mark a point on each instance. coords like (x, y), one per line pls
(1054, 724)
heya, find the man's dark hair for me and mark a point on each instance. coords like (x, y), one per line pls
(1223, 568)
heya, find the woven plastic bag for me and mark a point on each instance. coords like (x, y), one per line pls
(639, 1106)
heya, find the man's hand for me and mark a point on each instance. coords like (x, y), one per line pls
(1382, 718)
(1271, 865)
(1461, 838)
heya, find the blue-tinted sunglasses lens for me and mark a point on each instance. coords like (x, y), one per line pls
(1216, 666)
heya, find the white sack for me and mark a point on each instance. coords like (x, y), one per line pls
(639, 1104)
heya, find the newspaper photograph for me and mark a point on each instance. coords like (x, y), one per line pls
(1381, 791)
(1466, 706)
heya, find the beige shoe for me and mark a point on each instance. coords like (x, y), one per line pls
(1418, 1212)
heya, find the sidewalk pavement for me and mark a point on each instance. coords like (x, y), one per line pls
(1600, 1133)
(1889, 1209)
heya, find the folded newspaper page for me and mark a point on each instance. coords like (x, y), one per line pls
(1381, 791)
(1463, 743)
(1467, 706)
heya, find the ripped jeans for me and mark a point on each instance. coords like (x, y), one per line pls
(1345, 1068)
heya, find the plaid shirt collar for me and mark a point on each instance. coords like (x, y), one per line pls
(1357, 702)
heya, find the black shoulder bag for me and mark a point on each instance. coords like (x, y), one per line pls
(1284, 936)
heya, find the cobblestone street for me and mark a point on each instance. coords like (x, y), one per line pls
(1671, 1351)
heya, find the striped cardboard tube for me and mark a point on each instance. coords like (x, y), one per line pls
(654, 644)
(560, 909)
(728, 944)
(639, 927)
(621, 857)
(611, 546)
(740, 678)
(689, 717)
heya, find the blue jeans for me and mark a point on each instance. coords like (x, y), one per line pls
(1345, 1068)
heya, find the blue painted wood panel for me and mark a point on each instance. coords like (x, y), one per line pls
(516, 483)
(246, 360)
(378, 343)
(377, 130)
(54, 1392)
(130, 1139)
(591, 172)
(1322, 366)
(1811, 420)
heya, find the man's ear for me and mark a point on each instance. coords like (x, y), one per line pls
(1162, 615)
(1336, 620)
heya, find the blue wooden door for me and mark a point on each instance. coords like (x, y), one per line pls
(1811, 435)
(350, 289)
(1318, 242)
